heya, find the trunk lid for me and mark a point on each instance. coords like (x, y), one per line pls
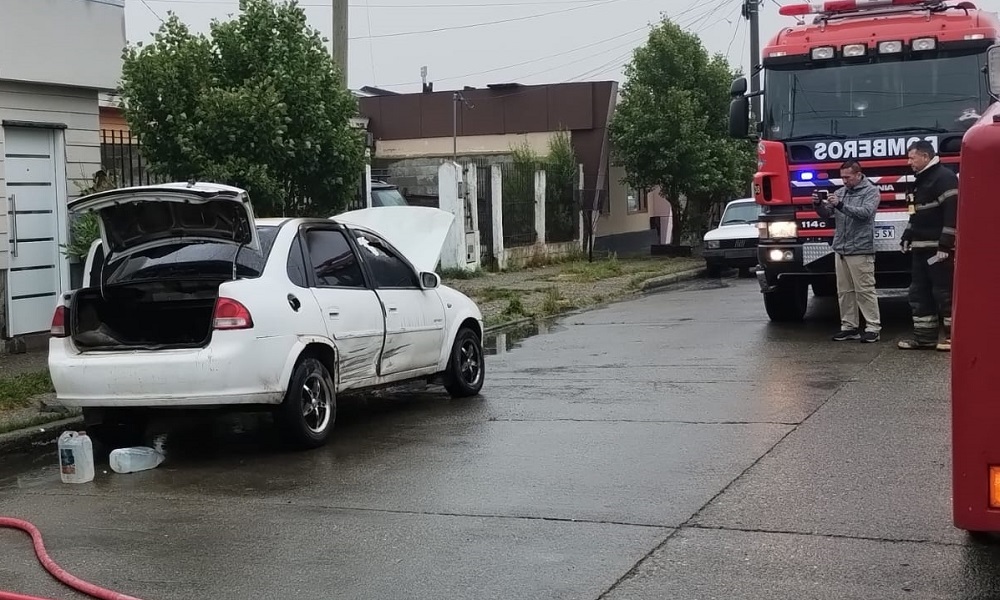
(139, 218)
(419, 232)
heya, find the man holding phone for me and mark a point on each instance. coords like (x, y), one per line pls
(853, 209)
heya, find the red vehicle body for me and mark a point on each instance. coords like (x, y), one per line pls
(975, 397)
(863, 80)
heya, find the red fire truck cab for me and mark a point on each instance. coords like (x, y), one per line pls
(862, 80)
(975, 353)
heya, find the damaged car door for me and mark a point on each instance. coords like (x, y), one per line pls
(351, 309)
(414, 317)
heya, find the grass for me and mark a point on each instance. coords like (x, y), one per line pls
(34, 421)
(588, 272)
(491, 294)
(18, 391)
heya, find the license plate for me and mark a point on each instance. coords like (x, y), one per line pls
(885, 232)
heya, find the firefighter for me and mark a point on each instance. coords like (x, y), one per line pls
(930, 239)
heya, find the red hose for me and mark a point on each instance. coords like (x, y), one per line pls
(55, 570)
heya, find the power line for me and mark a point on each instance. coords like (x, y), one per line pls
(497, 22)
(155, 14)
(412, 5)
(528, 62)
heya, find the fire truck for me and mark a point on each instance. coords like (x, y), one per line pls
(861, 80)
(975, 412)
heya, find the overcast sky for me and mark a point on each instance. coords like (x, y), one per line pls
(477, 42)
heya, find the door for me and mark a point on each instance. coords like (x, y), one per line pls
(351, 310)
(414, 318)
(33, 190)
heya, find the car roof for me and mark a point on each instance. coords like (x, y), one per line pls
(742, 201)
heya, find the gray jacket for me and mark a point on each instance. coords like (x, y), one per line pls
(854, 218)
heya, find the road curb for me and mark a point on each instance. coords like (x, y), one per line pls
(662, 281)
(648, 285)
(37, 435)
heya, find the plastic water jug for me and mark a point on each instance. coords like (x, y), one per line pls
(76, 457)
(130, 460)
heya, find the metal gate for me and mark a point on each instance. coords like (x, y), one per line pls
(484, 197)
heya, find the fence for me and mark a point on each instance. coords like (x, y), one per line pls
(120, 156)
(518, 204)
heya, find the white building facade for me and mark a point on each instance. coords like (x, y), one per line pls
(56, 57)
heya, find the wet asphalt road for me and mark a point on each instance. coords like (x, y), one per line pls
(675, 446)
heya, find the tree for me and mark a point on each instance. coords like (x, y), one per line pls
(670, 129)
(258, 103)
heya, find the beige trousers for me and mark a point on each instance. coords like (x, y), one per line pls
(856, 290)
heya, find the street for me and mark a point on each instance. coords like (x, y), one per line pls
(673, 446)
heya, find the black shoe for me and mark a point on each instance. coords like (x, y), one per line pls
(846, 335)
(869, 337)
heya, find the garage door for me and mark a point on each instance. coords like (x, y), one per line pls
(33, 281)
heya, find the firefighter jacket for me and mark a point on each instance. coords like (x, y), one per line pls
(854, 217)
(933, 207)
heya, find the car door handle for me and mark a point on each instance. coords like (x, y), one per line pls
(334, 313)
(391, 308)
(294, 302)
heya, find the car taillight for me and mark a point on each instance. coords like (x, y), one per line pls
(230, 314)
(59, 322)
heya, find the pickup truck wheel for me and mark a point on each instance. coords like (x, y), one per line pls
(713, 270)
(308, 413)
(787, 303)
(466, 368)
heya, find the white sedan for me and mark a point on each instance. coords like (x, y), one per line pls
(189, 301)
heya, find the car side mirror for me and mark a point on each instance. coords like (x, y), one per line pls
(738, 87)
(739, 118)
(429, 281)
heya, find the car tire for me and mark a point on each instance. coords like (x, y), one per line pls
(713, 270)
(309, 411)
(788, 303)
(466, 369)
(109, 429)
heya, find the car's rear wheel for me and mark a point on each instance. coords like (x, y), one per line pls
(308, 414)
(466, 366)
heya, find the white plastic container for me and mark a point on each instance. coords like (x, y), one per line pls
(131, 460)
(76, 457)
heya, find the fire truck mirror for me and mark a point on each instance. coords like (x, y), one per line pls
(739, 118)
(993, 69)
(739, 87)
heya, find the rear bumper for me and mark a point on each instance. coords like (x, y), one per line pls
(235, 369)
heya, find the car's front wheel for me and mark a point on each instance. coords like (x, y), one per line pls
(309, 411)
(466, 366)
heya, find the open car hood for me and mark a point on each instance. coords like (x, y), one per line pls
(138, 218)
(419, 232)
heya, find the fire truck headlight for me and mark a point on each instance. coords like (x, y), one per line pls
(923, 44)
(852, 50)
(822, 53)
(890, 47)
(782, 230)
(780, 255)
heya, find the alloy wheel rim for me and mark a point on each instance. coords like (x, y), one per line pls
(316, 404)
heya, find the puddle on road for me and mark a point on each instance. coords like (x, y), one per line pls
(501, 342)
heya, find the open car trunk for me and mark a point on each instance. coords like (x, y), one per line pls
(147, 315)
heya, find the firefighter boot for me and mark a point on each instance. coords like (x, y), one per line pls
(944, 345)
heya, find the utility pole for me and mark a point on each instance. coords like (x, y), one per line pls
(456, 99)
(340, 37)
(751, 12)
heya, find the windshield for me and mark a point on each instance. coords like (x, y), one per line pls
(187, 259)
(743, 212)
(946, 93)
(387, 197)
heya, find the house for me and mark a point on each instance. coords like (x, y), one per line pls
(414, 133)
(56, 56)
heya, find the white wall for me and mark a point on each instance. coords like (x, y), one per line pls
(62, 42)
(77, 110)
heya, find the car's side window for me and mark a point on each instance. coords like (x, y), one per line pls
(333, 261)
(388, 269)
(296, 265)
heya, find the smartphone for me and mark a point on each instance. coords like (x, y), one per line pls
(823, 195)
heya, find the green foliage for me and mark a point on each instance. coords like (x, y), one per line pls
(670, 129)
(258, 103)
(85, 228)
(561, 174)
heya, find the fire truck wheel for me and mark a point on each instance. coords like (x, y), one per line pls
(787, 303)
(823, 289)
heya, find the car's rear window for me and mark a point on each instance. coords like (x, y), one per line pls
(200, 259)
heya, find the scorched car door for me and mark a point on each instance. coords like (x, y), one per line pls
(414, 317)
(350, 309)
